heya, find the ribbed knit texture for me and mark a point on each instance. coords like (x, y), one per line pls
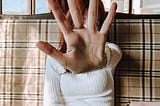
(95, 88)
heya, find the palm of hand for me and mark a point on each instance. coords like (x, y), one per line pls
(85, 46)
(85, 50)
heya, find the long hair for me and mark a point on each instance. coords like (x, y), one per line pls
(83, 5)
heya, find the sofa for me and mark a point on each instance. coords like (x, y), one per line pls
(22, 65)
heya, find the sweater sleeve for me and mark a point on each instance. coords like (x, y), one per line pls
(52, 93)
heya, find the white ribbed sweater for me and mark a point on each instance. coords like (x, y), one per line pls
(95, 88)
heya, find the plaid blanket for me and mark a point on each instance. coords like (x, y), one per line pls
(22, 65)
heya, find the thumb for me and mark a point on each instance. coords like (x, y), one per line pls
(52, 51)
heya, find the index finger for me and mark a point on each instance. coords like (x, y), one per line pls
(60, 17)
(108, 21)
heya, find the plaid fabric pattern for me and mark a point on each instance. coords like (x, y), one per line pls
(138, 74)
(22, 65)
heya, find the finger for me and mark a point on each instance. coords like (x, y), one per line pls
(75, 13)
(60, 17)
(92, 14)
(108, 21)
(51, 51)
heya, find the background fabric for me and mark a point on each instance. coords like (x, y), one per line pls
(138, 75)
(22, 65)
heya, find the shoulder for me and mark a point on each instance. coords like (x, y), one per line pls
(113, 53)
(53, 65)
(113, 47)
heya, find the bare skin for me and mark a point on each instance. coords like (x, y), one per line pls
(85, 45)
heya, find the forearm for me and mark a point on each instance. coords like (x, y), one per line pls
(52, 93)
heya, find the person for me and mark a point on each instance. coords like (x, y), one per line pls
(80, 72)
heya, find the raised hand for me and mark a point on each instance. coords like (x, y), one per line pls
(85, 45)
